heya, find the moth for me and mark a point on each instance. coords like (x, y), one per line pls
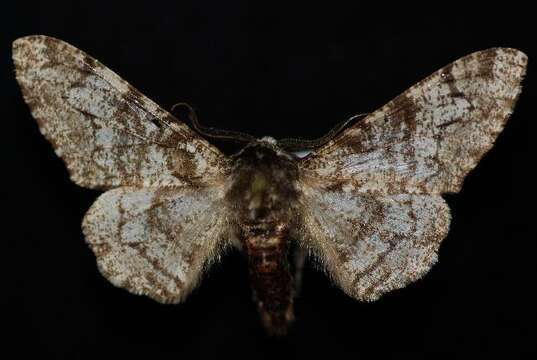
(367, 203)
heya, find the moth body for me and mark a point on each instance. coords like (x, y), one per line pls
(367, 202)
(263, 191)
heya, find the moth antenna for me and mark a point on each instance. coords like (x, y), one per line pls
(211, 132)
(291, 144)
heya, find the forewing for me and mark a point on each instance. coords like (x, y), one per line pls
(107, 132)
(156, 241)
(373, 244)
(427, 139)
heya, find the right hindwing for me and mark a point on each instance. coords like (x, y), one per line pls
(371, 244)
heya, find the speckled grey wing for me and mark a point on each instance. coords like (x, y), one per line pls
(107, 132)
(370, 198)
(372, 244)
(164, 221)
(428, 138)
(157, 241)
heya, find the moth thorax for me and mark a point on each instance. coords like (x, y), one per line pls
(264, 186)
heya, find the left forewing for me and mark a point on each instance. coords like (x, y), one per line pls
(370, 245)
(107, 132)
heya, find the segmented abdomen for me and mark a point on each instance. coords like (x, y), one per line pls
(267, 249)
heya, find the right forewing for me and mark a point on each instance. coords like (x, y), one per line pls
(107, 132)
(156, 241)
(427, 139)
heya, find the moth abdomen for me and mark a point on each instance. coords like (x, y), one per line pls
(267, 248)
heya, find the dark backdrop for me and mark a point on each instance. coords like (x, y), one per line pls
(283, 72)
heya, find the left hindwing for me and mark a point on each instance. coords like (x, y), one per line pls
(157, 241)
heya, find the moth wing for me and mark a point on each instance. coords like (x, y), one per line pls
(373, 244)
(156, 241)
(428, 138)
(107, 132)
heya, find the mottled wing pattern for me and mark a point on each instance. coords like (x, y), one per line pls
(427, 139)
(164, 220)
(107, 132)
(156, 241)
(371, 200)
(373, 244)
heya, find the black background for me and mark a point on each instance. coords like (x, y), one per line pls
(284, 72)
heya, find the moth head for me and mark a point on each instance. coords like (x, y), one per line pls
(264, 149)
